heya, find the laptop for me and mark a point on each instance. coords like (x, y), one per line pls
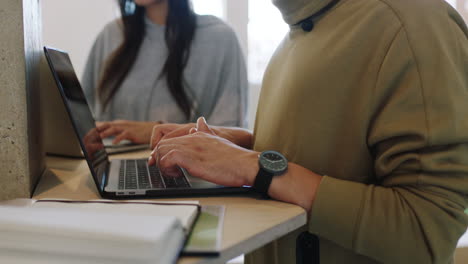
(58, 135)
(118, 179)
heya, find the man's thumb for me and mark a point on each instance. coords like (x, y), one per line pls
(203, 126)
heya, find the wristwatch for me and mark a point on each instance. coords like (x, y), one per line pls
(271, 164)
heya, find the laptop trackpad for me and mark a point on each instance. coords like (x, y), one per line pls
(198, 183)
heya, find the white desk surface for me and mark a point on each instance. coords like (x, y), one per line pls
(249, 223)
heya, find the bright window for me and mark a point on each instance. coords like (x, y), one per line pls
(461, 6)
(452, 2)
(212, 7)
(266, 29)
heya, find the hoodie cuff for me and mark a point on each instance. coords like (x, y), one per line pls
(336, 211)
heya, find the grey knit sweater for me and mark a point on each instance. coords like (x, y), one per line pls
(215, 75)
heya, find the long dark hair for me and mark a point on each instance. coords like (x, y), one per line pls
(179, 33)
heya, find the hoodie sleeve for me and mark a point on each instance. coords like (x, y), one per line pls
(414, 212)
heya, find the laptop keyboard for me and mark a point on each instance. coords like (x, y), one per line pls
(136, 174)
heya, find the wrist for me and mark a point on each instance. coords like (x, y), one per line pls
(239, 136)
(297, 186)
(252, 168)
(151, 124)
(271, 164)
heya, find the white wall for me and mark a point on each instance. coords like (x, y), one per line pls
(72, 25)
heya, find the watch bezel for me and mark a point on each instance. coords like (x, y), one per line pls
(267, 164)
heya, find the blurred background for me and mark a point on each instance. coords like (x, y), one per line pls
(72, 25)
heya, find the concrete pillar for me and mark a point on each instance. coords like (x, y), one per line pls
(21, 155)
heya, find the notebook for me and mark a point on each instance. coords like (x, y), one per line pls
(100, 231)
(206, 236)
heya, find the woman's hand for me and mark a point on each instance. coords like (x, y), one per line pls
(92, 142)
(207, 156)
(135, 131)
(238, 136)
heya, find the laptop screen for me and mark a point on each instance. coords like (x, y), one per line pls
(79, 112)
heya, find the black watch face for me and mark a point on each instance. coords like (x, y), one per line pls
(273, 162)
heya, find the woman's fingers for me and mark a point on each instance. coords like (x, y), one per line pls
(110, 131)
(122, 136)
(101, 126)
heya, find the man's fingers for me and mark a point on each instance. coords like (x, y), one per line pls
(202, 126)
(166, 146)
(152, 159)
(177, 133)
(168, 162)
(166, 131)
(156, 136)
(155, 154)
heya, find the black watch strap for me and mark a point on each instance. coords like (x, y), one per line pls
(262, 182)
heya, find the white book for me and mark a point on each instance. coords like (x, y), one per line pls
(99, 231)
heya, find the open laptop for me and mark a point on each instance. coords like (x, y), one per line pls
(59, 136)
(118, 178)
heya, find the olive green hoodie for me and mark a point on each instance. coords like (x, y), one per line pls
(375, 98)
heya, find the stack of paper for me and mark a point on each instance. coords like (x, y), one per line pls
(82, 232)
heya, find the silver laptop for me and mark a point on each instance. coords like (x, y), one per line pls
(118, 178)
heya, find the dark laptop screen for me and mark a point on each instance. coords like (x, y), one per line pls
(79, 112)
